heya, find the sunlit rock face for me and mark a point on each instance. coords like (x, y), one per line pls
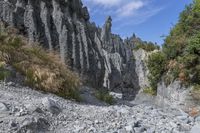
(103, 58)
(176, 95)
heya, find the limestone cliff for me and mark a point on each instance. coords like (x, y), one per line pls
(101, 57)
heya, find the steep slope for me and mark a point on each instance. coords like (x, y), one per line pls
(102, 58)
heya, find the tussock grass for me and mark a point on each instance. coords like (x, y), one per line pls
(196, 92)
(105, 97)
(42, 69)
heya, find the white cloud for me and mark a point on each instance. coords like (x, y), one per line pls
(137, 19)
(130, 8)
(106, 3)
(123, 12)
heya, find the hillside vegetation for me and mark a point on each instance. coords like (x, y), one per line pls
(41, 69)
(181, 51)
(147, 46)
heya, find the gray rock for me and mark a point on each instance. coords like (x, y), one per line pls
(3, 107)
(141, 67)
(185, 128)
(75, 117)
(116, 95)
(195, 129)
(12, 124)
(34, 125)
(175, 95)
(51, 105)
(106, 31)
(129, 128)
(183, 118)
(197, 119)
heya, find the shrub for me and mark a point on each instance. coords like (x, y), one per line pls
(150, 91)
(146, 46)
(196, 92)
(4, 73)
(105, 97)
(194, 45)
(189, 60)
(168, 79)
(42, 69)
(195, 72)
(156, 65)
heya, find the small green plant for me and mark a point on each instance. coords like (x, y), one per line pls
(4, 73)
(194, 45)
(105, 97)
(168, 78)
(146, 46)
(150, 91)
(196, 92)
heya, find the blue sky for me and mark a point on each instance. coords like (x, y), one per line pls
(148, 19)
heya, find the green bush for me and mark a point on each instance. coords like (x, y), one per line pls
(4, 74)
(194, 45)
(146, 46)
(168, 79)
(150, 91)
(156, 65)
(188, 60)
(196, 92)
(195, 72)
(105, 97)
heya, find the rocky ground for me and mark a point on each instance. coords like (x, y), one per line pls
(24, 110)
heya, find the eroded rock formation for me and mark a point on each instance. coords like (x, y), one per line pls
(63, 25)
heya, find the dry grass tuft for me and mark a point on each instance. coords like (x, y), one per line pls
(42, 69)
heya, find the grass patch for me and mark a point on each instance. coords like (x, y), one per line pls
(4, 73)
(196, 92)
(105, 97)
(146, 46)
(42, 69)
(150, 91)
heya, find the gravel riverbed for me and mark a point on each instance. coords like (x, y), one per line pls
(23, 110)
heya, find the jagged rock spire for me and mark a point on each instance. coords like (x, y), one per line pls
(63, 25)
(106, 31)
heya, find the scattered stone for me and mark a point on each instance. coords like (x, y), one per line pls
(183, 118)
(12, 124)
(3, 107)
(137, 124)
(197, 119)
(34, 125)
(195, 129)
(129, 128)
(51, 105)
(74, 117)
(116, 95)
